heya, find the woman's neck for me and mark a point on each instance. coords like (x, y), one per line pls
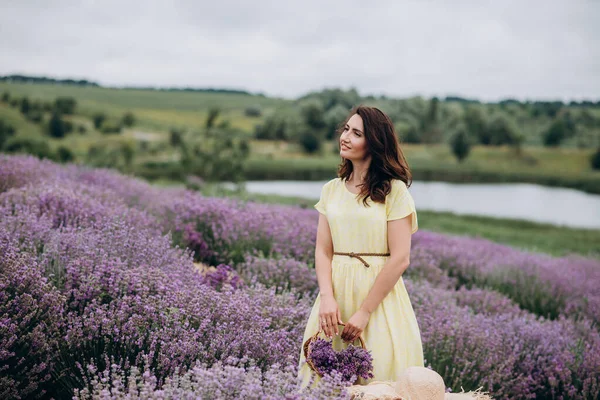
(359, 173)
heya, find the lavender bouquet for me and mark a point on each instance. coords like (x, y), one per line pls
(353, 362)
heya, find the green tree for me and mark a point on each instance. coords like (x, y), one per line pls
(502, 131)
(98, 119)
(314, 116)
(216, 158)
(64, 154)
(65, 105)
(410, 135)
(595, 160)
(34, 146)
(211, 118)
(25, 106)
(431, 132)
(128, 153)
(128, 119)
(460, 144)
(334, 117)
(56, 126)
(6, 132)
(556, 133)
(475, 124)
(176, 137)
(253, 111)
(310, 142)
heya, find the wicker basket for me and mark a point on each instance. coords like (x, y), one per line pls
(310, 340)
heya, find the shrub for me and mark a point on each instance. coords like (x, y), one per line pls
(65, 105)
(64, 154)
(595, 159)
(6, 131)
(253, 111)
(56, 126)
(110, 128)
(35, 116)
(310, 142)
(555, 134)
(98, 119)
(33, 146)
(460, 144)
(128, 119)
(25, 106)
(5, 97)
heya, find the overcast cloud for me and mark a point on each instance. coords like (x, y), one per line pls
(474, 48)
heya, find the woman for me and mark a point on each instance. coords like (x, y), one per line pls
(367, 209)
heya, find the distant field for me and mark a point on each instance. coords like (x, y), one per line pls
(154, 109)
(157, 112)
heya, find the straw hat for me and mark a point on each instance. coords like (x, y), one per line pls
(413, 383)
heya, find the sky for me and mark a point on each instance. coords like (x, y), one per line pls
(488, 50)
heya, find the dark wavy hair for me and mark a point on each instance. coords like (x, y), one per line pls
(387, 160)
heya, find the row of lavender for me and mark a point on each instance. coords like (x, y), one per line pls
(97, 281)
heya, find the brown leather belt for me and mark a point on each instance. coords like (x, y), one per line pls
(358, 256)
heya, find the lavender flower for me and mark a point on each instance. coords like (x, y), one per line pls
(352, 362)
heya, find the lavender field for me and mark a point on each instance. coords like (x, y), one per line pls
(103, 295)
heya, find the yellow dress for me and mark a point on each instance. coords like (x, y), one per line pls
(392, 334)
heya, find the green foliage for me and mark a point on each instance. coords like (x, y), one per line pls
(65, 105)
(34, 146)
(128, 119)
(313, 115)
(115, 155)
(556, 133)
(410, 134)
(216, 157)
(64, 154)
(56, 126)
(110, 127)
(253, 111)
(274, 127)
(475, 124)
(334, 117)
(5, 97)
(176, 137)
(310, 142)
(6, 131)
(595, 160)
(35, 116)
(430, 124)
(128, 153)
(14, 102)
(330, 98)
(24, 106)
(502, 131)
(460, 144)
(211, 118)
(98, 119)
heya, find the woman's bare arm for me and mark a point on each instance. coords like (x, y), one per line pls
(399, 242)
(323, 256)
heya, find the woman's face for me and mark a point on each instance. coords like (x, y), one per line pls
(353, 144)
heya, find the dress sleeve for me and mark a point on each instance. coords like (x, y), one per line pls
(321, 205)
(399, 204)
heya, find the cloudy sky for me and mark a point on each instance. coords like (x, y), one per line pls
(535, 49)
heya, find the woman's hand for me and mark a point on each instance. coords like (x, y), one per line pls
(355, 326)
(329, 315)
